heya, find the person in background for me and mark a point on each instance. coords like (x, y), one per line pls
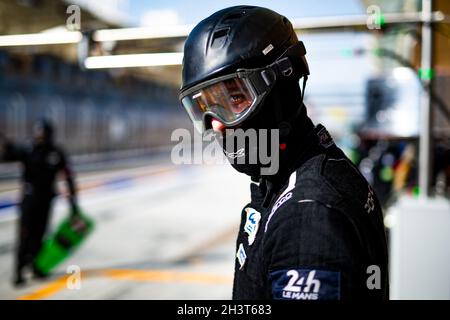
(42, 161)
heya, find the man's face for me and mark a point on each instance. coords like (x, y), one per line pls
(252, 147)
(40, 136)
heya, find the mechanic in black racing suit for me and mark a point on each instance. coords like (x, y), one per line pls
(314, 228)
(41, 161)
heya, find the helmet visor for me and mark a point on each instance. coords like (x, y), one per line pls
(228, 100)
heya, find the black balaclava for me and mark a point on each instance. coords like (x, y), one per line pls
(282, 109)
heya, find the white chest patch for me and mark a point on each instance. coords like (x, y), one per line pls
(252, 224)
(241, 255)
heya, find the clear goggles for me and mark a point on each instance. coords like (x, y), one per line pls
(232, 98)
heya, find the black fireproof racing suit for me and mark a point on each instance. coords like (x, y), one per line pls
(317, 235)
(41, 164)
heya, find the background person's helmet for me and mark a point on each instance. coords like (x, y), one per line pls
(232, 39)
(43, 131)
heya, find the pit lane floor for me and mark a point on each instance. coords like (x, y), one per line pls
(162, 232)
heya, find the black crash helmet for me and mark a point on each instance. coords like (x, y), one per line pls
(233, 58)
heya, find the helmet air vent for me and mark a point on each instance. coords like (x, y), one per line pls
(219, 38)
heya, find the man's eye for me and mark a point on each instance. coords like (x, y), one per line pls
(237, 98)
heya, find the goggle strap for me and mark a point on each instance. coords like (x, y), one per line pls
(283, 67)
(267, 77)
(297, 50)
(262, 80)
